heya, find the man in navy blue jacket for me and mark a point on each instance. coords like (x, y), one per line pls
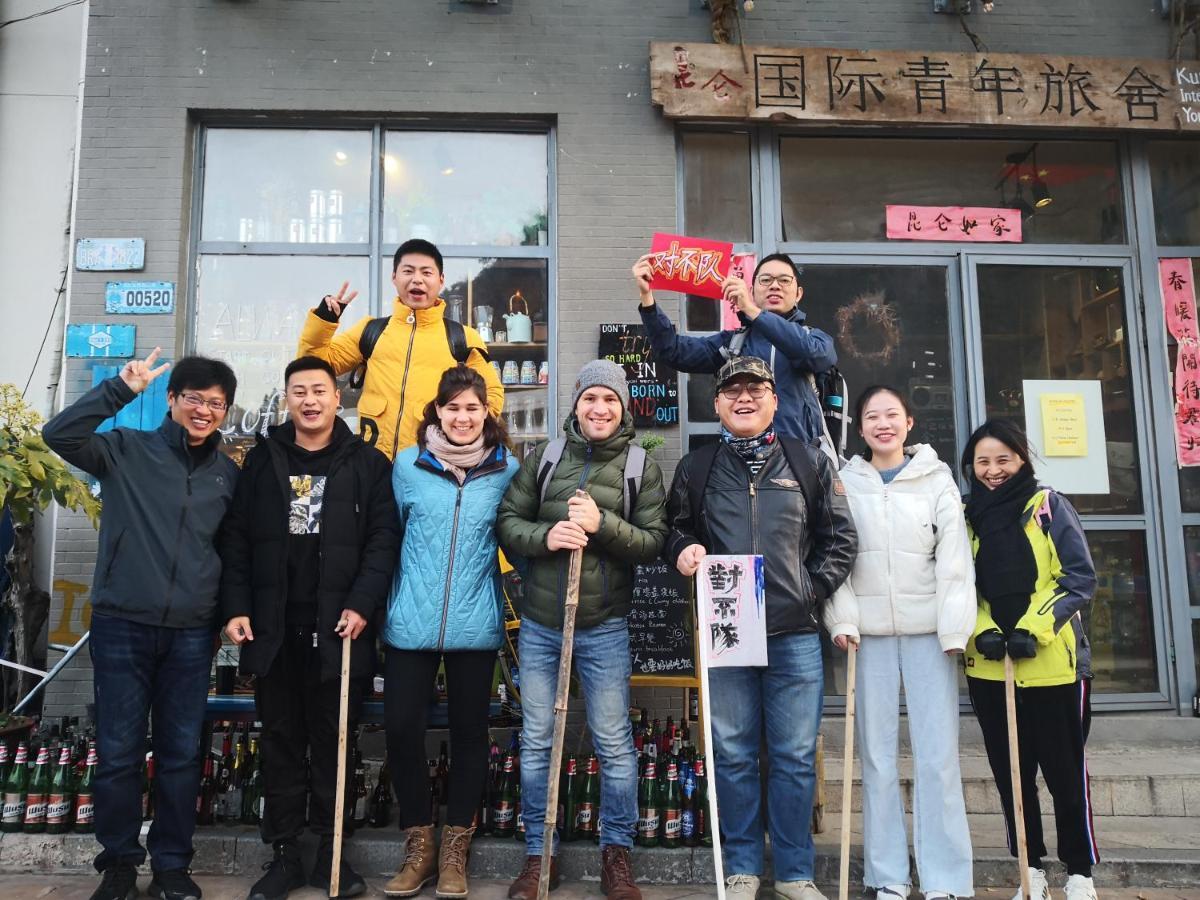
(772, 329)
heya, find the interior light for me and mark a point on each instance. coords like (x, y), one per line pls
(391, 165)
(340, 157)
(1041, 194)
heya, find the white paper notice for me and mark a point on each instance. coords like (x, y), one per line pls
(734, 610)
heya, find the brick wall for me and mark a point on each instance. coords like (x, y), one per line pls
(580, 63)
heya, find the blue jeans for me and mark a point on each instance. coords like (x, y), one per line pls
(139, 670)
(602, 663)
(786, 696)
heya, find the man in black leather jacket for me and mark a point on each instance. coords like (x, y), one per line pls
(758, 493)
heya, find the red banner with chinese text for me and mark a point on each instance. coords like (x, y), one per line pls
(689, 265)
(743, 266)
(1177, 281)
(970, 224)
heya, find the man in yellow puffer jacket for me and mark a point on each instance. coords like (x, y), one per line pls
(411, 354)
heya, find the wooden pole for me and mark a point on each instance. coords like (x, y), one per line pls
(570, 607)
(709, 753)
(847, 770)
(1014, 767)
(339, 807)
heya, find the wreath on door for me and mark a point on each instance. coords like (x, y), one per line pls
(868, 328)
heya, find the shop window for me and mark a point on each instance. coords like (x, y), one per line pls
(1191, 549)
(286, 186)
(465, 188)
(701, 391)
(717, 188)
(890, 325)
(1175, 186)
(1063, 323)
(835, 189)
(1118, 621)
(300, 204)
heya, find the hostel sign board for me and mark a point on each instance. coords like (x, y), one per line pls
(822, 84)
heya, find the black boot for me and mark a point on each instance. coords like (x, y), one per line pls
(350, 884)
(119, 882)
(284, 873)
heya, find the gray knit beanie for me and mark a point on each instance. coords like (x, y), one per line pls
(602, 373)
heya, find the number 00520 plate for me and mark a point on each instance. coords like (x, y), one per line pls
(139, 297)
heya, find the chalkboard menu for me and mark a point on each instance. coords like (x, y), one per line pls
(661, 625)
(653, 385)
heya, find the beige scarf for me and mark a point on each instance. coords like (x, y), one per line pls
(459, 459)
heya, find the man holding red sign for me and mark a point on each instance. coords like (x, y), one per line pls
(772, 329)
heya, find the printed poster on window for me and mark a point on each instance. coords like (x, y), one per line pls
(1064, 420)
(733, 607)
(1177, 281)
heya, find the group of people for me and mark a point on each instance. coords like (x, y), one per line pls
(394, 536)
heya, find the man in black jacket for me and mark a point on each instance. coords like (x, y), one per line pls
(758, 493)
(308, 550)
(154, 606)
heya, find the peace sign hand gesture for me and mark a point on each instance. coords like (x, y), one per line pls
(339, 301)
(138, 373)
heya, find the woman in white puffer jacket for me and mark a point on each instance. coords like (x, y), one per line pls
(909, 605)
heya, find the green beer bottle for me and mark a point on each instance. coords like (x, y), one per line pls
(672, 823)
(85, 806)
(34, 821)
(647, 821)
(589, 801)
(58, 804)
(504, 817)
(13, 813)
(570, 801)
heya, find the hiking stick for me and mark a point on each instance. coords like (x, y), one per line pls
(339, 808)
(570, 606)
(709, 755)
(1014, 767)
(847, 770)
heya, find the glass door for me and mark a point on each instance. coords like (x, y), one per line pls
(1057, 330)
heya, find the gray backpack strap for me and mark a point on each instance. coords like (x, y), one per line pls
(631, 485)
(735, 343)
(549, 462)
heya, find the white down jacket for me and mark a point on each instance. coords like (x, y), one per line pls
(914, 573)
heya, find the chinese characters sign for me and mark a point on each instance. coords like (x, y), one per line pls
(1179, 302)
(733, 609)
(717, 81)
(743, 266)
(976, 224)
(689, 265)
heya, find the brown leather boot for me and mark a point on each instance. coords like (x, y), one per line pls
(616, 874)
(452, 861)
(420, 864)
(526, 885)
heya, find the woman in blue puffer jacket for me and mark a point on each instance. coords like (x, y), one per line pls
(445, 607)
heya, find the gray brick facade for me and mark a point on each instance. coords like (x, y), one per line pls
(155, 69)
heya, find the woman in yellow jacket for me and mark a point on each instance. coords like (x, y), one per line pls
(1034, 575)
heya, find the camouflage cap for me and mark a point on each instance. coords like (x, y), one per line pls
(752, 367)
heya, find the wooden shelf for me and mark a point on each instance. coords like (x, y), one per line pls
(525, 345)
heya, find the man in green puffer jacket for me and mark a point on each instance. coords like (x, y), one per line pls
(543, 524)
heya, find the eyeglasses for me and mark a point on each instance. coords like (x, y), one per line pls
(781, 280)
(756, 390)
(195, 401)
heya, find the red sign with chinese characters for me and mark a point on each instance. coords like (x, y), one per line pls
(1177, 280)
(689, 265)
(743, 266)
(972, 224)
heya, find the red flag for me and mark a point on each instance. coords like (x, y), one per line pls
(689, 265)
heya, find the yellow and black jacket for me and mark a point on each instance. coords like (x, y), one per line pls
(403, 374)
(1066, 581)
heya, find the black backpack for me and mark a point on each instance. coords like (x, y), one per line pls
(456, 337)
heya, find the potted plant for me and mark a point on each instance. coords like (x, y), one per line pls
(31, 476)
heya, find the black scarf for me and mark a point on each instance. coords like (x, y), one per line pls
(753, 450)
(1005, 570)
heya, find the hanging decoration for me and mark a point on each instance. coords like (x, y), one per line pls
(868, 322)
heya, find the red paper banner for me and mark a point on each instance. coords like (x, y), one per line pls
(689, 265)
(743, 265)
(1177, 281)
(970, 224)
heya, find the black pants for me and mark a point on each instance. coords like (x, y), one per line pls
(1053, 724)
(408, 684)
(300, 712)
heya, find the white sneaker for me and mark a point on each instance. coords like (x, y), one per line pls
(798, 890)
(1080, 888)
(939, 895)
(745, 886)
(888, 891)
(1039, 888)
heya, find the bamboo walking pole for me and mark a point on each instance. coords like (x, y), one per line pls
(847, 770)
(709, 754)
(339, 808)
(570, 607)
(1014, 767)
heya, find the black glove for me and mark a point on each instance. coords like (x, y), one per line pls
(990, 644)
(1022, 644)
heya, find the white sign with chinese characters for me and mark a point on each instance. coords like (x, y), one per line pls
(733, 610)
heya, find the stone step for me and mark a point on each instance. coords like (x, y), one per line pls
(1123, 784)
(1136, 851)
